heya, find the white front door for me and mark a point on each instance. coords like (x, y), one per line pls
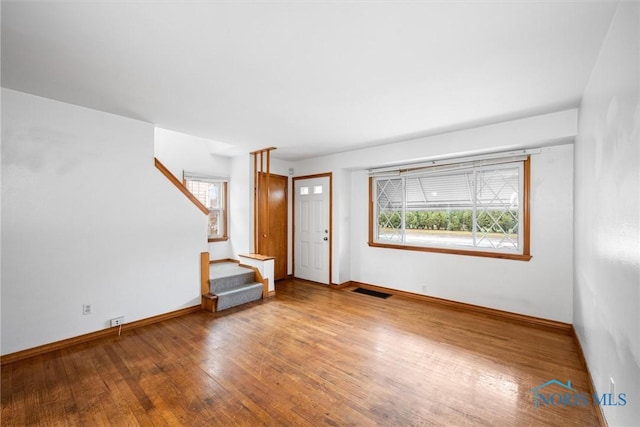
(312, 237)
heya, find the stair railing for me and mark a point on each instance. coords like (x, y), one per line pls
(180, 186)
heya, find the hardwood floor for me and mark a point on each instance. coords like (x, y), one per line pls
(308, 356)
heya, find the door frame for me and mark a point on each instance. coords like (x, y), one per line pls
(293, 220)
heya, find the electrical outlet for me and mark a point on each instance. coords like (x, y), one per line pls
(117, 321)
(87, 309)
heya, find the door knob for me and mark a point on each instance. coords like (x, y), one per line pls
(326, 238)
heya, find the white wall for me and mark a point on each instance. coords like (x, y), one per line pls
(241, 205)
(86, 218)
(180, 152)
(607, 222)
(541, 287)
(342, 225)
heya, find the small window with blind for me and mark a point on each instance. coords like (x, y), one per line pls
(477, 207)
(212, 192)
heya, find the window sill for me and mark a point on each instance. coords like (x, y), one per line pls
(485, 254)
(218, 239)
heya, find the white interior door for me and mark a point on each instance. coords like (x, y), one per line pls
(312, 239)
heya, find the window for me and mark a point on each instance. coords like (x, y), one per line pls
(472, 208)
(211, 192)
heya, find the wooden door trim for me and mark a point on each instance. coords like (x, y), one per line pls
(293, 220)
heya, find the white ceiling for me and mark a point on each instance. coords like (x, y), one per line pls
(310, 78)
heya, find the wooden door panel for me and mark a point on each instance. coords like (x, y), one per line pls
(273, 241)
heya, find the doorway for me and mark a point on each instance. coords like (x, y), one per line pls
(312, 228)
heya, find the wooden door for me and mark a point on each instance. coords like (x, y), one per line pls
(273, 241)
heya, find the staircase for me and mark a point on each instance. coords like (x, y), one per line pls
(233, 285)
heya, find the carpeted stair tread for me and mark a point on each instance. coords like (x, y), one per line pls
(239, 294)
(239, 288)
(229, 275)
(226, 269)
(233, 285)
